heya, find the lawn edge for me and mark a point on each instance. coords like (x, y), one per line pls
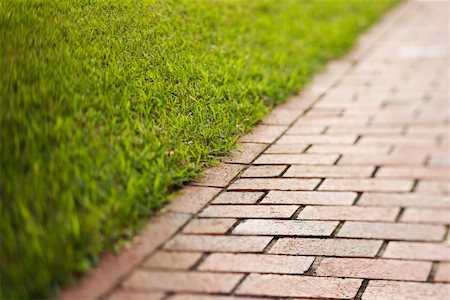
(102, 280)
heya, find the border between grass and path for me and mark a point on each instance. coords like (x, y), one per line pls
(104, 279)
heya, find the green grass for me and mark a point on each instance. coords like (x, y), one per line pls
(108, 106)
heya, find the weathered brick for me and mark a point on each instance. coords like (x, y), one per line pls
(382, 160)
(285, 227)
(405, 200)
(257, 263)
(245, 153)
(238, 198)
(288, 184)
(370, 268)
(366, 185)
(434, 187)
(135, 295)
(299, 286)
(403, 140)
(208, 297)
(192, 199)
(349, 149)
(392, 231)
(420, 149)
(264, 171)
(249, 211)
(311, 198)
(329, 171)
(348, 213)
(326, 247)
(209, 226)
(426, 215)
(282, 116)
(263, 134)
(330, 121)
(417, 251)
(211, 243)
(443, 273)
(172, 260)
(305, 130)
(440, 160)
(292, 159)
(317, 139)
(381, 290)
(182, 281)
(367, 130)
(286, 149)
(218, 176)
(414, 172)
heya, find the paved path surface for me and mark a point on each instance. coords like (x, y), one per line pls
(342, 192)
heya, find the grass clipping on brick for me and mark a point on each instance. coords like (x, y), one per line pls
(108, 106)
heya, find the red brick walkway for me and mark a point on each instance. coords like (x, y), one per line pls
(342, 192)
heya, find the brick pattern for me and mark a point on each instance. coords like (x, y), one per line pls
(340, 193)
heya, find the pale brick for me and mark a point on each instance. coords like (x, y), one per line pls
(421, 149)
(257, 263)
(211, 243)
(367, 130)
(392, 231)
(245, 153)
(182, 281)
(311, 198)
(417, 251)
(287, 184)
(328, 121)
(305, 130)
(440, 160)
(218, 176)
(292, 159)
(285, 227)
(398, 140)
(282, 116)
(434, 188)
(374, 268)
(366, 185)
(286, 149)
(343, 213)
(414, 172)
(326, 247)
(264, 171)
(426, 215)
(238, 198)
(135, 295)
(382, 290)
(349, 149)
(249, 211)
(405, 200)
(329, 171)
(192, 199)
(172, 260)
(209, 297)
(317, 139)
(443, 273)
(209, 226)
(299, 286)
(263, 134)
(382, 160)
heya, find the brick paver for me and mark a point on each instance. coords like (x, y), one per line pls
(342, 192)
(299, 286)
(258, 263)
(327, 247)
